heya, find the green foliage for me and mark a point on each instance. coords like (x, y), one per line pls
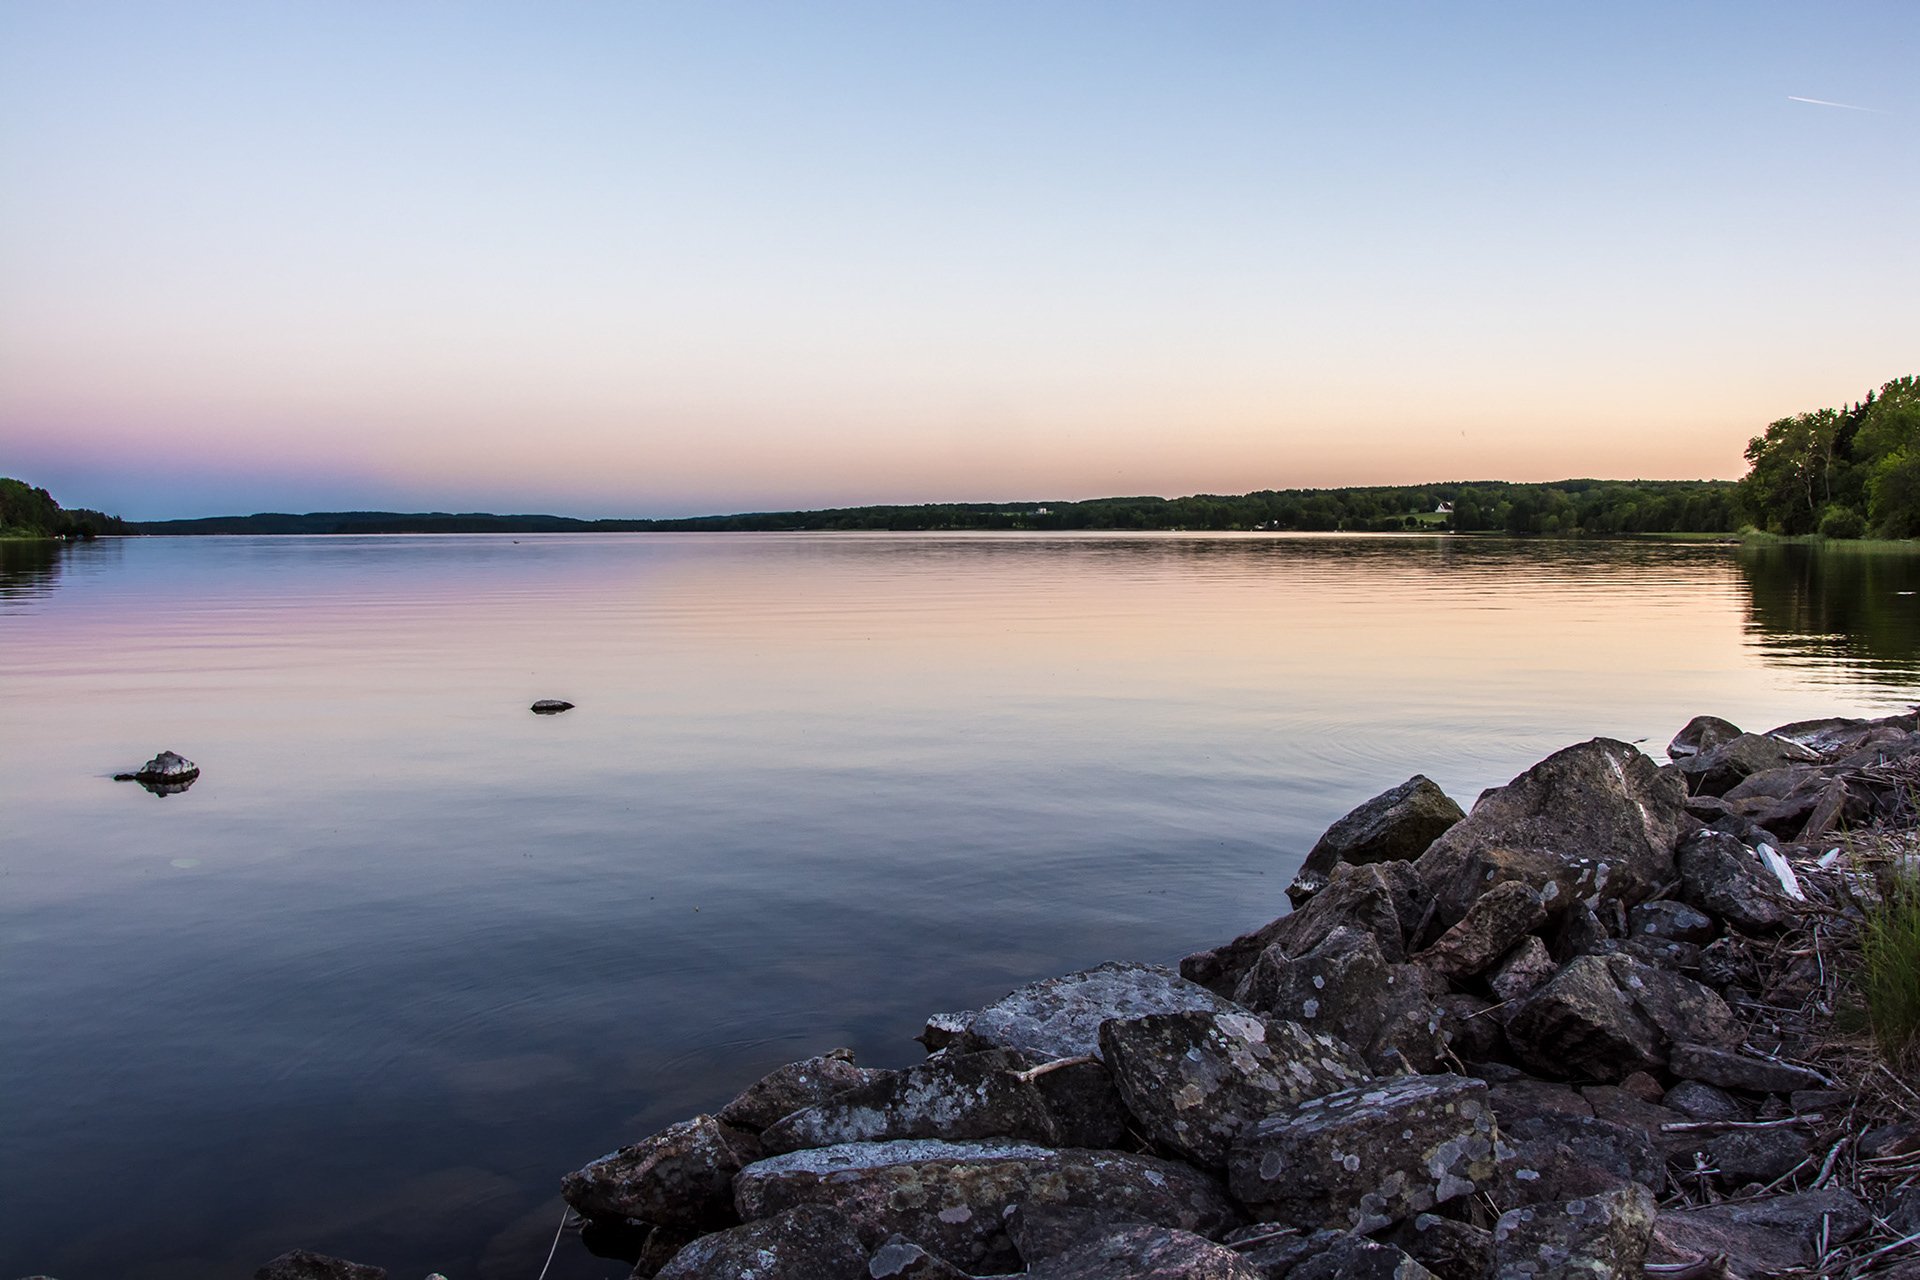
(27, 512)
(1890, 968)
(1840, 472)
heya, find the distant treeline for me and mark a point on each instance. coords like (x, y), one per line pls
(1842, 473)
(1566, 507)
(27, 512)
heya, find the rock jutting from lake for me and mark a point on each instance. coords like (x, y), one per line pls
(168, 773)
(1575, 1031)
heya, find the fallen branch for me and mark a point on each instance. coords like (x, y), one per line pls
(1693, 1126)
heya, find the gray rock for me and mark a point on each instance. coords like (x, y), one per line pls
(1553, 1158)
(1358, 1258)
(1275, 1251)
(944, 1029)
(1589, 1238)
(304, 1264)
(1523, 971)
(1620, 1107)
(1731, 1070)
(550, 707)
(1602, 1017)
(169, 767)
(1514, 1101)
(1040, 1231)
(1084, 1103)
(1394, 826)
(1759, 1237)
(1195, 1080)
(1702, 733)
(1496, 921)
(1837, 735)
(804, 1243)
(1671, 921)
(1595, 823)
(788, 1089)
(1472, 1027)
(1452, 1250)
(1344, 987)
(953, 1096)
(1382, 899)
(1061, 1017)
(901, 1259)
(1718, 771)
(681, 1176)
(1726, 879)
(1745, 1156)
(952, 1197)
(1697, 1101)
(1145, 1253)
(1367, 1157)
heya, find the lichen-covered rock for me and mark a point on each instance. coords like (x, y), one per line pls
(1595, 822)
(1727, 880)
(1369, 1156)
(952, 1197)
(1718, 771)
(304, 1264)
(1524, 970)
(1084, 1103)
(951, 1095)
(901, 1259)
(681, 1176)
(1382, 899)
(1602, 1017)
(1496, 921)
(1040, 1231)
(1358, 1258)
(1344, 987)
(1731, 1070)
(1451, 1249)
(1550, 1158)
(1759, 1237)
(1145, 1253)
(1061, 1017)
(788, 1089)
(1591, 1238)
(944, 1029)
(1195, 1080)
(1702, 733)
(1394, 826)
(804, 1243)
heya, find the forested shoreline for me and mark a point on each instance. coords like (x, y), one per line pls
(1842, 473)
(27, 512)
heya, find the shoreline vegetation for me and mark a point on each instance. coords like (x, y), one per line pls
(1834, 475)
(1618, 1018)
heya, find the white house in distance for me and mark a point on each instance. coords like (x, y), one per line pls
(1444, 509)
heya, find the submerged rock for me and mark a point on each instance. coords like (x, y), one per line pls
(1195, 1080)
(1061, 1017)
(1369, 1156)
(1394, 826)
(953, 1197)
(550, 707)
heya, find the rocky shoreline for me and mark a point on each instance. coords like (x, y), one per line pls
(1585, 1028)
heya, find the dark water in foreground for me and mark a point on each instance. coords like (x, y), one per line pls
(406, 952)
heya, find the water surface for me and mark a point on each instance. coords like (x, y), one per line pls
(407, 952)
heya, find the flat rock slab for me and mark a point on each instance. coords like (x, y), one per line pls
(1594, 821)
(804, 1243)
(952, 1198)
(1593, 1236)
(1759, 1237)
(1711, 1065)
(1394, 826)
(1367, 1157)
(304, 1264)
(1603, 1017)
(1146, 1253)
(1061, 1017)
(953, 1096)
(794, 1087)
(1194, 1080)
(681, 1176)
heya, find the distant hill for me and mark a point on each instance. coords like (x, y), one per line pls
(1563, 507)
(27, 512)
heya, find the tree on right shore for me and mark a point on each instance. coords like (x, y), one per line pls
(1841, 473)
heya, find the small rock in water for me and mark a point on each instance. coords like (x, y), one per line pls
(551, 707)
(164, 775)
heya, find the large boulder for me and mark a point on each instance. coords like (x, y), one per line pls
(1394, 826)
(1381, 899)
(1594, 822)
(1367, 1157)
(1195, 1080)
(1603, 1017)
(788, 1089)
(1145, 1253)
(1584, 1239)
(952, 1197)
(807, 1242)
(956, 1096)
(1061, 1017)
(681, 1176)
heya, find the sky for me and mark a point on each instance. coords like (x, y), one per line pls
(676, 258)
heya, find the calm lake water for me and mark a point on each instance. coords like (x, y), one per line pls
(406, 952)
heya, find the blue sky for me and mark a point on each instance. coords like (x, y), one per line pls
(658, 259)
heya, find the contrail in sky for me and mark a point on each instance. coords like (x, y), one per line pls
(1848, 106)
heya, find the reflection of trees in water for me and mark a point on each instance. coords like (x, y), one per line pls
(1855, 604)
(28, 567)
